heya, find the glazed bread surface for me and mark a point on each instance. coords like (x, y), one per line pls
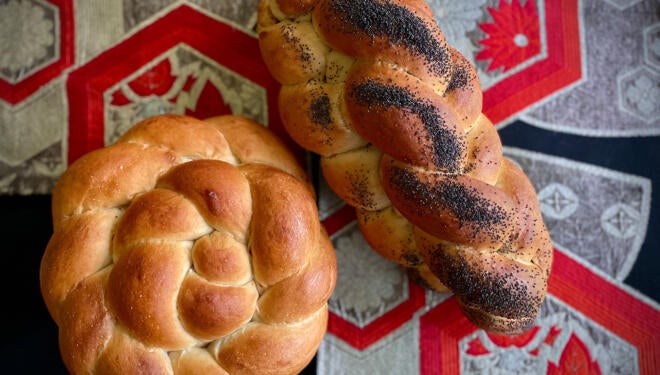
(395, 113)
(188, 247)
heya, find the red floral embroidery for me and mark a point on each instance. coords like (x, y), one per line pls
(159, 80)
(552, 335)
(210, 103)
(189, 83)
(519, 341)
(575, 359)
(549, 340)
(476, 347)
(513, 37)
(119, 99)
(156, 81)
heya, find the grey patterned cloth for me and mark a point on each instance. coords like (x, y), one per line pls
(573, 87)
(589, 143)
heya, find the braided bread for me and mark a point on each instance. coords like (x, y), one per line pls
(395, 113)
(188, 247)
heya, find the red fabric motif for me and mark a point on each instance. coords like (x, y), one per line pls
(513, 37)
(561, 68)
(540, 65)
(210, 103)
(549, 340)
(363, 337)
(159, 80)
(552, 335)
(189, 83)
(476, 347)
(156, 81)
(608, 306)
(19, 91)
(119, 99)
(575, 359)
(442, 327)
(183, 25)
(519, 341)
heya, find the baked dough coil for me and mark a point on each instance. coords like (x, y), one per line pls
(396, 115)
(188, 247)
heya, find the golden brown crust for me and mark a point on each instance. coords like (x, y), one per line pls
(125, 355)
(285, 224)
(402, 32)
(300, 57)
(384, 105)
(218, 191)
(119, 174)
(186, 136)
(434, 192)
(391, 235)
(484, 152)
(455, 208)
(196, 361)
(463, 93)
(354, 176)
(511, 292)
(209, 310)
(296, 7)
(85, 324)
(425, 277)
(74, 252)
(185, 246)
(142, 292)
(294, 298)
(277, 349)
(314, 117)
(159, 214)
(220, 258)
(252, 143)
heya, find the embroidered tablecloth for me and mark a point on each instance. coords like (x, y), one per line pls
(573, 87)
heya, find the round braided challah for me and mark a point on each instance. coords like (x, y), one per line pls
(188, 247)
(396, 115)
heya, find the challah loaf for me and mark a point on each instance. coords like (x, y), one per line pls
(188, 247)
(396, 115)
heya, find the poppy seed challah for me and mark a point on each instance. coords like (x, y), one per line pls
(396, 115)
